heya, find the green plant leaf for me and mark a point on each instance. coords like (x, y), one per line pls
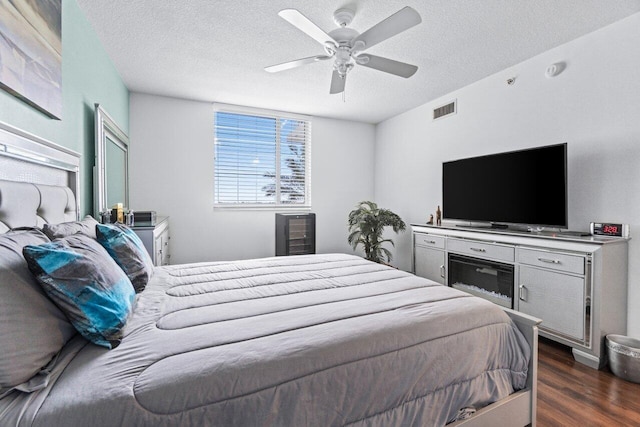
(366, 225)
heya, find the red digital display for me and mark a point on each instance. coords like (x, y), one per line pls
(608, 229)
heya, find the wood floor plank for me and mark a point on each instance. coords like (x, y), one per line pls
(571, 394)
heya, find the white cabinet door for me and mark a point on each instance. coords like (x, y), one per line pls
(157, 245)
(430, 263)
(166, 255)
(556, 298)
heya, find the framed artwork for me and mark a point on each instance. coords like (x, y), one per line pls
(31, 53)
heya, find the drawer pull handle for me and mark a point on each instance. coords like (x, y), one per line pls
(522, 293)
(442, 271)
(478, 249)
(431, 242)
(549, 261)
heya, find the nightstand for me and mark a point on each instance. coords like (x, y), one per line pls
(156, 239)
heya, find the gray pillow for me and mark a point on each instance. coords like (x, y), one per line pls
(32, 328)
(87, 227)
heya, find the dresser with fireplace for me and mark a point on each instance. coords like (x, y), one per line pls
(576, 285)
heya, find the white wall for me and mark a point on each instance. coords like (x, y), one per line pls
(171, 172)
(594, 106)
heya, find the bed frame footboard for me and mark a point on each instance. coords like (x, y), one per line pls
(518, 409)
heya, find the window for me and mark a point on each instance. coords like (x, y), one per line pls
(261, 160)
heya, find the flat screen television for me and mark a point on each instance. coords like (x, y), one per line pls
(526, 187)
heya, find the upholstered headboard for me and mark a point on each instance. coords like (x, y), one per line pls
(39, 181)
(25, 204)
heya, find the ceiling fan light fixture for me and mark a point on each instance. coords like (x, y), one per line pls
(362, 60)
(342, 67)
(343, 53)
(330, 48)
(357, 47)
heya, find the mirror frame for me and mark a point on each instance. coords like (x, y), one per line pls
(105, 128)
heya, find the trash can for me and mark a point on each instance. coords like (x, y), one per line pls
(624, 357)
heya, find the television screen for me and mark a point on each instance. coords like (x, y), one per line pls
(519, 187)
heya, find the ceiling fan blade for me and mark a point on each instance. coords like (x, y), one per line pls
(337, 83)
(297, 63)
(400, 21)
(303, 23)
(387, 65)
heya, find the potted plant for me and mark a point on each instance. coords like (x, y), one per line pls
(366, 224)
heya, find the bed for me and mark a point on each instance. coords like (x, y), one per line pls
(318, 340)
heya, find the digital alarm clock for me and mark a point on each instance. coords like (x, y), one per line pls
(609, 229)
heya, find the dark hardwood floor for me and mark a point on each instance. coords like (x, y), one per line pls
(571, 394)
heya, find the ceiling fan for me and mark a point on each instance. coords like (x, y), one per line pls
(347, 46)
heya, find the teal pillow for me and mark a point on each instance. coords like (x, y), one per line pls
(86, 284)
(128, 251)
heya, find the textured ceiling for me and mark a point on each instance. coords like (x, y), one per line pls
(217, 50)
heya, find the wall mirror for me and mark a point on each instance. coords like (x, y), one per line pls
(111, 180)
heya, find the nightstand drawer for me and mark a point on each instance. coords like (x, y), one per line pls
(482, 250)
(429, 240)
(552, 260)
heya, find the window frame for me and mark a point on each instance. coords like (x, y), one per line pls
(278, 115)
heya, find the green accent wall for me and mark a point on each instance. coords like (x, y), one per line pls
(88, 77)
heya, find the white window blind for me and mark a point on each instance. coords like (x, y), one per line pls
(261, 160)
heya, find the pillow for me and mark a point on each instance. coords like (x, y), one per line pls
(32, 328)
(126, 248)
(86, 284)
(87, 227)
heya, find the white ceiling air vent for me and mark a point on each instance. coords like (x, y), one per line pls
(445, 110)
